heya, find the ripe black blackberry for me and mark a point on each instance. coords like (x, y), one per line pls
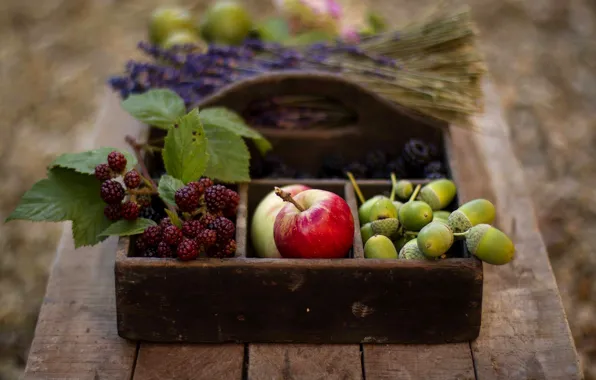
(398, 167)
(117, 161)
(217, 197)
(172, 235)
(150, 252)
(152, 235)
(224, 227)
(207, 219)
(416, 155)
(375, 160)
(434, 167)
(331, 167)
(130, 210)
(150, 213)
(207, 238)
(141, 244)
(113, 212)
(164, 250)
(435, 176)
(357, 169)
(188, 249)
(187, 198)
(103, 172)
(112, 192)
(132, 179)
(192, 228)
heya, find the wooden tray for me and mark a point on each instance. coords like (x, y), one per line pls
(351, 300)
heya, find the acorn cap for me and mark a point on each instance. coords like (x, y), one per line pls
(410, 251)
(386, 227)
(458, 221)
(490, 244)
(438, 193)
(379, 247)
(435, 239)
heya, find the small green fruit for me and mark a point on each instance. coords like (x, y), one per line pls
(382, 209)
(438, 193)
(397, 205)
(227, 22)
(404, 189)
(386, 227)
(435, 239)
(364, 209)
(166, 20)
(414, 215)
(379, 247)
(181, 37)
(410, 251)
(490, 244)
(441, 216)
(366, 232)
(470, 214)
(400, 242)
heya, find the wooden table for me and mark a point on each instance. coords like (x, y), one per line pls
(524, 335)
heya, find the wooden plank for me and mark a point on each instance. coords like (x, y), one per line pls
(189, 362)
(524, 333)
(304, 362)
(76, 336)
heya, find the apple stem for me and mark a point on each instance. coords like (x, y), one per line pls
(393, 187)
(287, 197)
(415, 193)
(356, 187)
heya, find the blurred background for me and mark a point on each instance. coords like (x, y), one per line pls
(56, 55)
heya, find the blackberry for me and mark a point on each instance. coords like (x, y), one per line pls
(416, 155)
(152, 235)
(207, 238)
(172, 235)
(192, 228)
(206, 182)
(435, 175)
(103, 172)
(398, 167)
(375, 160)
(150, 252)
(187, 198)
(230, 212)
(357, 169)
(150, 213)
(217, 197)
(113, 212)
(112, 192)
(224, 227)
(141, 244)
(130, 210)
(221, 250)
(165, 222)
(229, 249)
(117, 161)
(164, 250)
(132, 179)
(331, 167)
(198, 187)
(144, 201)
(232, 207)
(434, 167)
(187, 250)
(207, 219)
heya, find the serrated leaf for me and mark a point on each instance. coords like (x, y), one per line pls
(66, 195)
(174, 218)
(157, 107)
(222, 117)
(85, 162)
(167, 188)
(185, 149)
(128, 227)
(228, 155)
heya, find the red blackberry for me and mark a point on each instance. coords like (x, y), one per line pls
(199, 188)
(207, 238)
(207, 219)
(192, 228)
(150, 252)
(112, 192)
(221, 250)
(232, 207)
(152, 235)
(206, 182)
(224, 227)
(117, 161)
(165, 222)
(187, 250)
(229, 249)
(172, 235)
(132, 179)
(113, 212)
(187, 198)
(164, 250)
(217, 197)
(130, 210)
(141, 244)
(103, 172)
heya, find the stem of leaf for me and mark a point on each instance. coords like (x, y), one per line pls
(415, 193)
(137, 148)
(356, 187)
(393, 186)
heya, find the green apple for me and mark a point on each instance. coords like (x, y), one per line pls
(182, 37)
(166, 20)
(261, 229)
(226, 22)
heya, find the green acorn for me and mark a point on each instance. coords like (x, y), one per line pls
(383, 208)
(401, 241)
(438, 193)
(489, 244)
(470, 214)
(404, 189)
(366, 232)
(435, 239)
(414, 215)
(441, 216)
(410, 251)
(364, 209)
(379, 247)
(397, 205)
(386, 227)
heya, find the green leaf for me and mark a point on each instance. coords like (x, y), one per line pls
(185, 149)
(167, 188)
(224, 118)
(157, 107)
(85, 162)
(228, 155)
(66, 195)
(174, 218)
(274, 29)
(128, 227)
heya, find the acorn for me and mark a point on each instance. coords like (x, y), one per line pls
(386, 227)
(383, 208)
(489, 244)
(414, 215)
(441, 216)
(435, 239)
(438, 193)
(364, 209)
(397, 205)
(410, 251)
(401, 241)
(470, 214)
(379, 247)
(404, 189)
(366, 232)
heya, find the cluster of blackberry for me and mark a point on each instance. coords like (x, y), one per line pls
(207, 211)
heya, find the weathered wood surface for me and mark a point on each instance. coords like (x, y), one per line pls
(524, 332)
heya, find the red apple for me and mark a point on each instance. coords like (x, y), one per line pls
(315, 224)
